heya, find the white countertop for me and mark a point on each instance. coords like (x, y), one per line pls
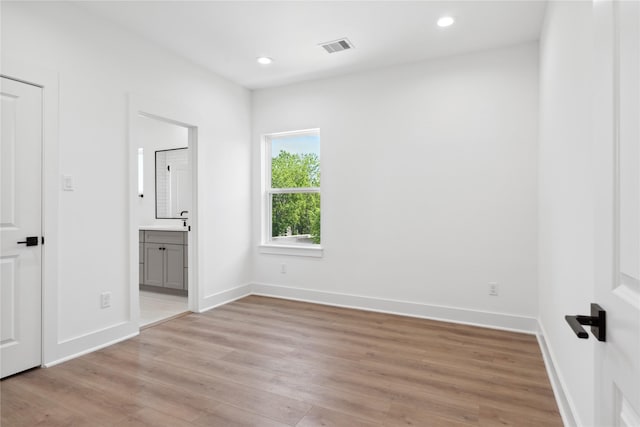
(163, 227)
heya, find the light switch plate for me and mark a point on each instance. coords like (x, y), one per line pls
(67, 183)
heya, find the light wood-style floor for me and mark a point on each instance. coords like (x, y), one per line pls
(269, 362)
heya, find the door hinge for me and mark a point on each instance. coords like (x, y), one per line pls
(42, 237)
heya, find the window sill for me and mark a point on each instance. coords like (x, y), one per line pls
(315, 251)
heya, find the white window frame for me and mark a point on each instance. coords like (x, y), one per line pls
(267, 244)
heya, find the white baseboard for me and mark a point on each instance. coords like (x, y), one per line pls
(78, 346)
(565, 405)
(224, 297)
(84, 344)
(508, 322)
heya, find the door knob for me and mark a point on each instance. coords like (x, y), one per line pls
(597, 321)
(30, 241)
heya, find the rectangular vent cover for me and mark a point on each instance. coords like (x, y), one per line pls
(337, 45)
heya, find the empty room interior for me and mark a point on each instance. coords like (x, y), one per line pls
(320, 213)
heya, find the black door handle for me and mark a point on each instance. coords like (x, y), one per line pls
(597, 321)
(31, 241)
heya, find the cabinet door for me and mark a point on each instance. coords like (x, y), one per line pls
(153, 264)
(173, 266)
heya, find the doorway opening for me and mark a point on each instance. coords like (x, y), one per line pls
(163, 216)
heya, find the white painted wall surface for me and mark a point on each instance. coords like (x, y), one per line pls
(154, 135)
(566, 197)
(429, 181)
(98, 65)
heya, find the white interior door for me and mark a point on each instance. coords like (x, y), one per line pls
(20, 217)
(617, 167)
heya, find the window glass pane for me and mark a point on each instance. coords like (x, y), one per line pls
(295, 161)
(295, 218)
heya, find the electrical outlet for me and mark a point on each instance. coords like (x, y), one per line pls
(283, 268)
(105, 300)
(493, 289)
(67, 183)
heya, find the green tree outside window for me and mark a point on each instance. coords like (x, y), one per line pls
(295, 213)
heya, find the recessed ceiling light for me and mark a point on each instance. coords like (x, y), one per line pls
(445, 21)
(264, 60)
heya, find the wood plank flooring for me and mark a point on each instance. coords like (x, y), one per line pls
(271, 363)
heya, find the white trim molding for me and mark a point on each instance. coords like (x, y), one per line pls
(308, 250)
(502, 321)
(96, 340)
(267, 240)
(48, 80)
(564, 402)
(87, 343)
(181, 115)
(221, 298)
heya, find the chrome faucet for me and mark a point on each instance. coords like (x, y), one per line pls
(183, 212)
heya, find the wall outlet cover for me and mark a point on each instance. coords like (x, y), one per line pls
(493, 289)
(67, 183)
(105, 300)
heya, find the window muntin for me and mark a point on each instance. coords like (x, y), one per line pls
(292, 195)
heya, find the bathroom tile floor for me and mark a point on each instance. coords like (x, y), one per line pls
(155, 307)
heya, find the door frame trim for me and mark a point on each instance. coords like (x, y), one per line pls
(175, 113)
(49, 82)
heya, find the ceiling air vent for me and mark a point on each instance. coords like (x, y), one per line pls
(337, 45)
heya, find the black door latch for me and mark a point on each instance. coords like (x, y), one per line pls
(31, 241)
(597, 321)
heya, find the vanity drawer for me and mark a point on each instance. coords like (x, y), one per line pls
(170, 237)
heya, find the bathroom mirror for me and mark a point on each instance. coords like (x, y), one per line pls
(173, 184)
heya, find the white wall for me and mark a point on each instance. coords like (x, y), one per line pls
(566, 230)
(429, 177)
(154, 135)
(429, 182)
(99, 65)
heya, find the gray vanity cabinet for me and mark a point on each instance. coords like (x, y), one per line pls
(153, 265)
(164, 259)
(173, 266)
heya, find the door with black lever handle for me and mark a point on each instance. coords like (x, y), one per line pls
(30, 241)
(597, 321)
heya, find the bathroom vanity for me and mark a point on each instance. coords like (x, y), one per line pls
(163, 259)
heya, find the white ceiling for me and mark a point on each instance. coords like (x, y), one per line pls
(227, 36)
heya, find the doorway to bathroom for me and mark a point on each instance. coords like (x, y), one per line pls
(163, 214)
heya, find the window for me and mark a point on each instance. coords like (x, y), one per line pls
(292, 189)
